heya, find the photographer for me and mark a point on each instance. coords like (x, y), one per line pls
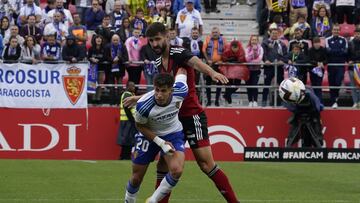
(306, 107)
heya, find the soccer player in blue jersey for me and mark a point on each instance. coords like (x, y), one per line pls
(161, 131)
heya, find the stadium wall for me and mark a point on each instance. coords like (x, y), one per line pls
(91, 134)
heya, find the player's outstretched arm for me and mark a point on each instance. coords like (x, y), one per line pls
(196, 63)
(131, 101)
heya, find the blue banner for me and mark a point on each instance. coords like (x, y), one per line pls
(92, 78)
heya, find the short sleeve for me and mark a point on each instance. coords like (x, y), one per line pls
(180, 86)
(180, 55)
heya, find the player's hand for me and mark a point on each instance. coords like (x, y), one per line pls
(168, 148)
(218, 77)
(130, 101)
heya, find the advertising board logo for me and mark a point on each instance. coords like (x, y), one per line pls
(73, 84)
(227, 134)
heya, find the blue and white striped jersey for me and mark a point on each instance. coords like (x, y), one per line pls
(162, 120)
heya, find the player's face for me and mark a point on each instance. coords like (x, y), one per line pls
(163, 95)
(158, 43)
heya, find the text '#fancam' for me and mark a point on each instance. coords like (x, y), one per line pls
(301, 154)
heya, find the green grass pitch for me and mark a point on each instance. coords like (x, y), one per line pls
(104, 181)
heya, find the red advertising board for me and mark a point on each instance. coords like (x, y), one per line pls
(92, 133)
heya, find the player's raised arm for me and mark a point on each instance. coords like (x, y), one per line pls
(196, 63)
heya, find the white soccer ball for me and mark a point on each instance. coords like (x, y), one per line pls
(292, 90)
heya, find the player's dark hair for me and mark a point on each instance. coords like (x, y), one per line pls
(163, 80)
(155, 28)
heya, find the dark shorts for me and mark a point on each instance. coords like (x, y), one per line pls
(196, 130)
(145, 150)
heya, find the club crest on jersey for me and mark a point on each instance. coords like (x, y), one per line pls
(73, 84)
(178, 105)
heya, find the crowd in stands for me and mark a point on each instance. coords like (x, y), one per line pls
(109, 33)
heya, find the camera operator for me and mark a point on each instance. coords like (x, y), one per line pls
(306, 107)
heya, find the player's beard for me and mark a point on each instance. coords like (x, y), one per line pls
(159, 50)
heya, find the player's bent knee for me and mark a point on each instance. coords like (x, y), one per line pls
(206, 166)
(176, 172)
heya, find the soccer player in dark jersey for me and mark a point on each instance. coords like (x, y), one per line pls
(192, 115)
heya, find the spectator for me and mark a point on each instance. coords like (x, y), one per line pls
(66, 16)
(318, 59)
(210, 6)
(345, 8)
(278, 7)
(337, 51)
(233, 53)
(127, 128)
(31, 29)
(57, 27)
(321, 24)
(303, 26)
(213, 48)
(254, 54)
(72, 52)
(110, 5)
(274, 50)
(299, 40)
(180, 4)
(116, 53)
(133, 46)
(139, 22)
(105, 29)
(317, 4)
(78, 30)
(354, 55)
(81, 7)
(30, 8)
(4, 26)
(97, 55)
(159, 4)
(188, 18)
(163, 18)
(297, 8)
(94, 16)
(149, 57)
(12, 51)
(133, 5)
(30, 52)
(296, 56)
(174, 39)
(117, 15)
(51, 4)
(125, 30)
(279, 25)
(6, 9)
(15, 9)
(195, 44)
(51, 50)
(14, 31)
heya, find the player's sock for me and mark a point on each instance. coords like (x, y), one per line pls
(166, 185)
(223, 185)
(131, 193)
(160, 176)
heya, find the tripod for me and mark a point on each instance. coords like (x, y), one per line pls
(301, 124)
